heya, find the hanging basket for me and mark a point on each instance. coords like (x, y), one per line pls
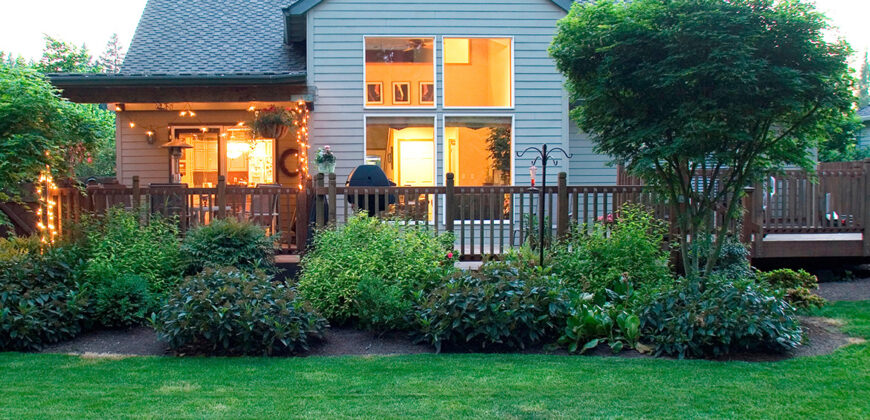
(272, 131)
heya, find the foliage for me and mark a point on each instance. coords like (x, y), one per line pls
(493, 308)
(39, 129)
(733, 261)
(368, 263)
(840, 140)
(499, 146)
(863, 84)
(732, 89)
(63, 57)
(795, 286)
(228, 242)
(598, 257)
(714, 316)
(113, 56)
(119, 246)
(39, 303)
(601, 318)
(324, 156)
(101, 161)
(123, 301)
(237, 312)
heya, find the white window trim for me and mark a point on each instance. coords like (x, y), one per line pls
(513, 74)
(434, 105)
(388, 116)
(444, 118)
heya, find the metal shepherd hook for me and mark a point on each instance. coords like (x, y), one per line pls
(545, 156)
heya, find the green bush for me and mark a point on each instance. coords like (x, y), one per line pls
(492, 309)
(795, 286)
(717, 315)
(39, 304)
(370, 270)
(237, 312)
(119, 245)
(630, 247)
(733, 261)
(125, 301)
(231, 243)
(595, 319)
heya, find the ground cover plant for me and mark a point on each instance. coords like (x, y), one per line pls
(795, 286)
(456, 385)
(228, 311)
(371, 271)
(39, 301)
(228, 242)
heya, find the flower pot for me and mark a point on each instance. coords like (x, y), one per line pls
(326, 167)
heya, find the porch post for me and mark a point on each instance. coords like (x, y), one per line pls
(562, 222)
(318, 200)
(222, 196)
(137, 192)
(866, 221)
(450, 203)
(331, 200)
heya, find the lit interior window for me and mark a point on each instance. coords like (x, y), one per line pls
(478, 150)
(404, 148)
(247, 161)
(400, 72)
(477, 72)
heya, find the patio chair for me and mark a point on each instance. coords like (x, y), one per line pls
(264, 206)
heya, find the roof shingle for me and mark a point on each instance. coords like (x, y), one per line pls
(212, 37)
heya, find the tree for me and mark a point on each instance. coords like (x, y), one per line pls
(62, 57)
(38, 128)
(728, 90)
(113, 56)
(864, 83)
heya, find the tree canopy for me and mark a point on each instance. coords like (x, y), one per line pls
(728, 90)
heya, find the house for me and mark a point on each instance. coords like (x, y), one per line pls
(864, 134)
(420, 88)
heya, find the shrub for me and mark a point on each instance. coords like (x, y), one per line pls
(369, 270)
(38, 301)
(122, 302)
(228, 242)
(237, 312)
(733, 261)
(493, 308)
(795, 286)
(715, 315)
(118, 245)
(597, 319)
(596, 259)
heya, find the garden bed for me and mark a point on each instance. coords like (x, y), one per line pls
(823, 337)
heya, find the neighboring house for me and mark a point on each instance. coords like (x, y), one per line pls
(864, 134)
(419, 87)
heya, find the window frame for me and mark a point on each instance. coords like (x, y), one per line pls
(388, 116)
(223, 161)
(512, 70)
(385, 88)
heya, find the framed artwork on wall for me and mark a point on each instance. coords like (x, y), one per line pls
(401, 93)
(427, 93)
(374, 93)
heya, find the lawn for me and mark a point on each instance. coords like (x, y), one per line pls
(446, 386)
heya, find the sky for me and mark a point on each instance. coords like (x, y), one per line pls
(92, 22)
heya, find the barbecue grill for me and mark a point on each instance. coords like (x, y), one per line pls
(370, 176)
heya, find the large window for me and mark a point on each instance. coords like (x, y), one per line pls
(404, 147)
(478, 150)
(233, 152)
(399, 72)
(478, 72)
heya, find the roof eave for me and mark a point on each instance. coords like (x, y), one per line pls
(163, 80)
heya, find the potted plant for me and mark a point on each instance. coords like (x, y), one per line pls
(271, 123)
(325, 160)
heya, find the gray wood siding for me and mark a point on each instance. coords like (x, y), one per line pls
(335, 64)
(587, 167)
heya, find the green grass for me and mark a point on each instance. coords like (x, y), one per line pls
(443, 386)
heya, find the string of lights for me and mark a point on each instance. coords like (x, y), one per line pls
(46, 214)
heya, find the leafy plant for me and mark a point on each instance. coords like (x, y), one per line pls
(354, 271)
(795, 286)
(601, 318)
(118, 245)
(714, 316)
(499, 146)
(124, 301)
(39, 303)
(494, 308)
(228, 311)
(228, 242)
(596, 259)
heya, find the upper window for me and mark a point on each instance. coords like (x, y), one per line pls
(400, 72)
(478, 72)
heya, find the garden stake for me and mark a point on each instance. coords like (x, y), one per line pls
(544, 154)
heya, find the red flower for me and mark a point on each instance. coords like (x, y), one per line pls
(450, 255)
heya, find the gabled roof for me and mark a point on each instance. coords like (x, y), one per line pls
(300, 7)
(212, 38)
